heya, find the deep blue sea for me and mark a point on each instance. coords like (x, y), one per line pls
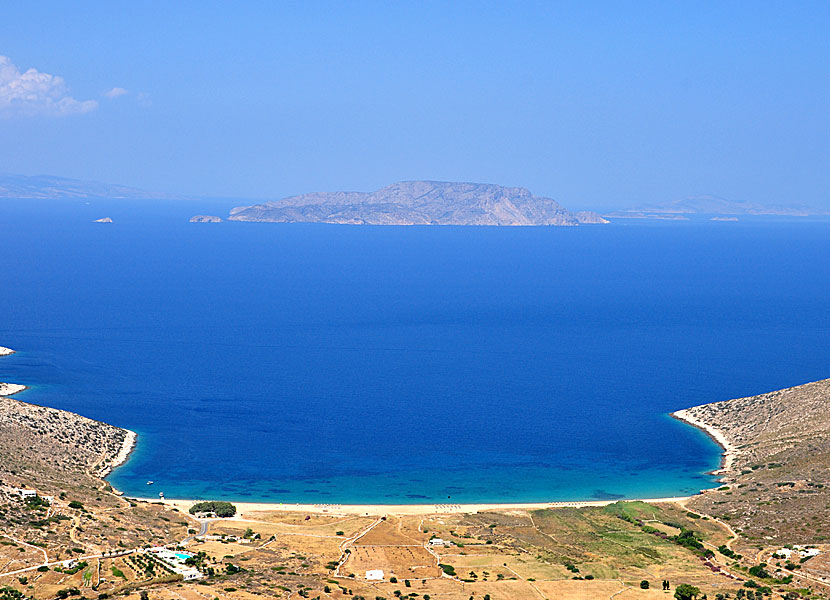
(345, 364)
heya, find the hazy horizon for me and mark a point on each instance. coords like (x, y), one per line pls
(598, 106)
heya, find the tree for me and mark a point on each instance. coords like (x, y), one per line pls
(222, 509)
(684, 591)
(644, 585)
(144, 595)
(759, 571)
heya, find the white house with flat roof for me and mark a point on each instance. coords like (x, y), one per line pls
(374, 575)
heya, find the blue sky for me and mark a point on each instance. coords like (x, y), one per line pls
(595, 104)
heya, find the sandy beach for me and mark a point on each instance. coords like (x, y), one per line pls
(123, 454)
(247, 509)
(7, 389)
(714, 433)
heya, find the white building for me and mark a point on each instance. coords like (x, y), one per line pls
(27, 493)
(374, 575)
(807, 552)
(438, 542)
(175, 560)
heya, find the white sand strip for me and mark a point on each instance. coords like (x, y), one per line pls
(7, 389)
(126, 448)
(247, 508)
(715, 433)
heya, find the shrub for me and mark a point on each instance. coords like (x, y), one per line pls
(644, 584)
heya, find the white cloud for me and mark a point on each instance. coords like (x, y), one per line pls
(34, 93)
(116, 92)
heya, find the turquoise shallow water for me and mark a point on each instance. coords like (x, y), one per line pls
(297, 363)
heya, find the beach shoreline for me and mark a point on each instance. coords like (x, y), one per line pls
(131, 439)
(127, 447)
(9, 389)
(728, 455)
(377, 510)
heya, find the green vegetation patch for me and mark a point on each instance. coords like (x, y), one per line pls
(222, 509)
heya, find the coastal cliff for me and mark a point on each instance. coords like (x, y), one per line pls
(419, 203)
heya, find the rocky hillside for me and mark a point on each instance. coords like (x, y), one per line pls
(419, 203)
(52, 449)
(778, 487)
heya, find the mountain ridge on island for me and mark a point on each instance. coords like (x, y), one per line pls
(419, 203)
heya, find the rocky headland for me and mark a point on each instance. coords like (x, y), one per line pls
(777, 463)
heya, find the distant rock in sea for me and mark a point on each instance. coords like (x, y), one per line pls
(104, 220)
(419, 203)
(205, 219)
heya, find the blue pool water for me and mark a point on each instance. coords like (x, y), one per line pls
(302, 363)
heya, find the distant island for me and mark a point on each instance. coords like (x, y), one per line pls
(48, 187)
(419, 203)
(205, 219)
(713, 205)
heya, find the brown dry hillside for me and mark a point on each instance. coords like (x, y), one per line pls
(778, 489)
